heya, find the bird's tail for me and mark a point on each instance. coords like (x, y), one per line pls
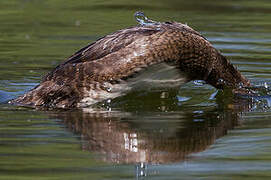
(47, 95)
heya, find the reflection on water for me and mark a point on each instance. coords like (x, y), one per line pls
(146, 139)
(124, 142)
(129, 137)
(201, 134)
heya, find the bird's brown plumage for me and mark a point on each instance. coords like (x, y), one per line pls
(117, 56)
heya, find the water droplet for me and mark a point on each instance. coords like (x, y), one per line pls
(106, 87)
(265, 85)
(108, 101)
(141, 173)
(221, 81)
(199, 82)
(109, 89)
(142, 165)
(141, 169)
(241, 85)
(143, 20)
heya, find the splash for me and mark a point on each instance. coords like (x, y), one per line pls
(259, 94)
(261, 89)
(143, 20)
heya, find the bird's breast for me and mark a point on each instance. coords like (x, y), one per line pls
(158, 76)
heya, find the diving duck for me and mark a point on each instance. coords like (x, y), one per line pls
(115, 63)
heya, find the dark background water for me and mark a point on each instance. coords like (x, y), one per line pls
(185, 133)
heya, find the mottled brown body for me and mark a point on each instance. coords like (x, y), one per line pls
(92, 71)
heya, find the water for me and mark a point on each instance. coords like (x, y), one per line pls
(194, 132)
(143, 20)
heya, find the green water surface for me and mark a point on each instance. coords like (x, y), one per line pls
(193, 132)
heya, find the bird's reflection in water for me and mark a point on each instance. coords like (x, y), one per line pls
(159, 141)
(152, 138)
